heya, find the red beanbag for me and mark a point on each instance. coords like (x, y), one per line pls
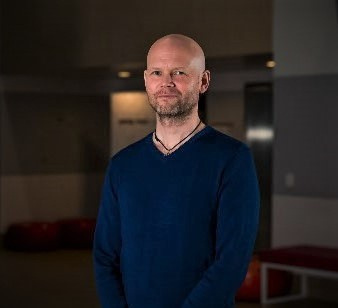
(279, 282)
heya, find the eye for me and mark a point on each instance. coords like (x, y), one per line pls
(155, 73)
(178, 73)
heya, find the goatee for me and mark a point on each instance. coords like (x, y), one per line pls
(178, 110)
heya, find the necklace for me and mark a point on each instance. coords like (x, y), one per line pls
(169, 151)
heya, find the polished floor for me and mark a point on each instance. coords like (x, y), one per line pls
(64, 279)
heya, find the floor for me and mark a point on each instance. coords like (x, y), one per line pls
(64, 279)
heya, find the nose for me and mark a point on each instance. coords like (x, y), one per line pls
(167, 80)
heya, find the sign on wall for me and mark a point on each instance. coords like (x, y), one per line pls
(131, 119)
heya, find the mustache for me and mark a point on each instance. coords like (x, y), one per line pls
(167, 92)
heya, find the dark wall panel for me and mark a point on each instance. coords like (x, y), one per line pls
(306, 144)
(45, 133)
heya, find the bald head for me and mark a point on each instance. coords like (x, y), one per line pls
(178, 44)
(175, 76)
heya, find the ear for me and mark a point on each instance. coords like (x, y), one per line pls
(145, 77)
(205, 81)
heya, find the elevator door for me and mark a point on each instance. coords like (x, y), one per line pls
(259, 136)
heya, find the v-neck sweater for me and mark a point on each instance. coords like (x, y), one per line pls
(178, 230)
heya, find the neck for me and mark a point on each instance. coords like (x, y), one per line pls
(172, 130)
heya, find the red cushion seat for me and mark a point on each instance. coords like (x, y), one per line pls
(77, 233)
(32, 236)
(314, 257)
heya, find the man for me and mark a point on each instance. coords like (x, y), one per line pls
(179, 209)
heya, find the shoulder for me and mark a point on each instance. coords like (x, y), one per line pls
(131, 153)
(233, 157)
(223, 145)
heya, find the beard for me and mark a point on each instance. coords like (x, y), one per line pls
(176, 107)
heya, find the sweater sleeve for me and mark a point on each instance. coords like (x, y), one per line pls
(107, 247)
(237, 221)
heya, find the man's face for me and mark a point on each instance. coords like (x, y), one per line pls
(173, 81)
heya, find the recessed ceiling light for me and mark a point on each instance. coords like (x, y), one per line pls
(270, 64)
(123, 74)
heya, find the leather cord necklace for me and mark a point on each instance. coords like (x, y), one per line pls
(169, 151)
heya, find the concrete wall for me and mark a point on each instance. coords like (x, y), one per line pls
(306, 113)
(305, 37)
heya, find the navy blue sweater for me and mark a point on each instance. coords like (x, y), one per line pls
(176, 231)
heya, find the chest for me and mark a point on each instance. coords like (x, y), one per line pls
(172, 195)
